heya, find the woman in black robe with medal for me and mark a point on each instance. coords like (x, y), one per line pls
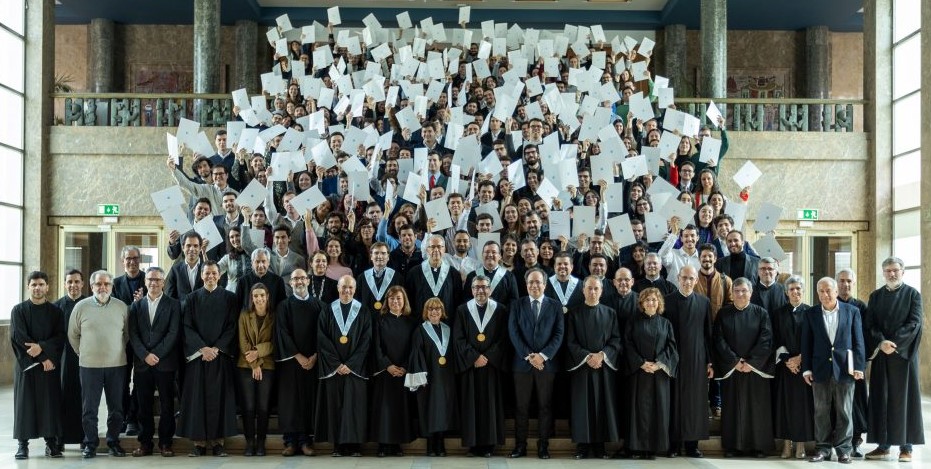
(391, 417)
(432, 376)
(792, 397)
(652, 358)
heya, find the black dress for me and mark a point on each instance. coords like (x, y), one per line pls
(793, 399)
(432, 376)
(296, 323)
(392, 403)
(649, 338)
(36, 392)
(71, 404)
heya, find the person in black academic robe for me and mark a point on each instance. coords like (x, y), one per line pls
(594, 348)
(567, 291)
(690, 316)
(742, 338)
(319, 285)
(433, 278)
(895, 315)
(480, 335)
(37, 335)
(296, 321)
(391, 412)
(650, 361)
(271, 280)
(432, 375)
(208, 406)
(770, 297)
(503, 284)
(624, 301)
(71, 430)
(372, 284)
(792, 399)
(344, 337)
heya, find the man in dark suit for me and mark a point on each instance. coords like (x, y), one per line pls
(127, 288)
(833, 356)
(536, 327)
(184, 277)
(154, 332)
(738, 263)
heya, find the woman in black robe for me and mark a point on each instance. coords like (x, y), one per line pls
(651, 360)
(794, 403)
(391, 416)
(432, 376)
(321, 287)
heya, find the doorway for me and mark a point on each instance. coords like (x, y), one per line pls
(92, 248)
(816, 254)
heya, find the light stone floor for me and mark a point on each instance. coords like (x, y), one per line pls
(73, 459)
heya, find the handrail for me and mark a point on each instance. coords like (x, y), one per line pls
(166, 109)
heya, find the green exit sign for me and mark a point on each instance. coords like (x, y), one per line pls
(108, 210)
(807, 214)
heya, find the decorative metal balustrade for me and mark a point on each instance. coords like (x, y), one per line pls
(214, 110)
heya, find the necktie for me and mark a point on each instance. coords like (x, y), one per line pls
(432, 181)
(535, 307)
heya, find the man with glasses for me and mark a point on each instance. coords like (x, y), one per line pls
(213, 192)
(767, 292)
(433, 278)
(742, 348)
(128, 288)
(98, 333)
(154, 334)
(893, 324)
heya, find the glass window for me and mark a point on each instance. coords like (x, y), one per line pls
(906, 237)
(13, 16)
(912, 278)
(11, 236)
(906, 67)
(12, 288)
(906, 124)
(12, 47)
(11, 190)
(906, 18)
(906, 179)
(11, 132)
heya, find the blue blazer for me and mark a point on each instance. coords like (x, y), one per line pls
(824, 359)
(536, 336)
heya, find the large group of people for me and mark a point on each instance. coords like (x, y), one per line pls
(518, 240)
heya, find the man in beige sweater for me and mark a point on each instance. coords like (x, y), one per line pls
(97, 330)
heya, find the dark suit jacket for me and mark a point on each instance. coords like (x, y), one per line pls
(824, 359)
(177, 284)
(751, 267)
(536, 336)
(123, 292)
(159, 337)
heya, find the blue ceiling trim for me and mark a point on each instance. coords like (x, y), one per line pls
(838, 15)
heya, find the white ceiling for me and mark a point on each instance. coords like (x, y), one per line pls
(620, 5)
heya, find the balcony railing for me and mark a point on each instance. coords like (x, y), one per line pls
(214, 110)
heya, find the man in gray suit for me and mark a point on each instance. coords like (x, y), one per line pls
(833, 356)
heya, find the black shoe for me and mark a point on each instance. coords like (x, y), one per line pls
(856, 453)
(844, 459)
(219, 451)
(580, 454)
(115, 450)
(132, 429)
(89, 452)
(260, 447)
(759, 454)
(22, 452)
(694, 453)
(730, 454)
(197, 451)
(250, 448)
(52, 451)
(519, 451)
(382, 451)
(672, 454)
(621, 454)
(336, 454)
(543, 451)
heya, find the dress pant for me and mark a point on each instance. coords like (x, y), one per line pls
(524, 385)
(714, 393)
(256, 398)
(147, 381)
(129, 396)
(110, 382)
(837, 397)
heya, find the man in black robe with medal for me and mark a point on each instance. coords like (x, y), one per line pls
(71, 430)
(690, 316)
(374, 282)
(344, 336)
(261, 261)
(483, 349)
(296, 324)
(594, 346)
(742, 349)
(433, 278)
(503, 286)
(208, 407)
(38, 335)
(562, 286)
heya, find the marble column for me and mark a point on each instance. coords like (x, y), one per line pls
(246, 63)
(40, 245)
(925, 228)
(877, 122)
(818, 71)
(206, 51)
(100, 46)
(713, 38)
(674, 58)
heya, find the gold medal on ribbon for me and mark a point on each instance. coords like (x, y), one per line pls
(343, 339)
(442, 360)
(480, 337)
(565, 309)
(378, 305)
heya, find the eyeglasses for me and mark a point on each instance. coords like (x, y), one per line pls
(154, 280)
(300, 279)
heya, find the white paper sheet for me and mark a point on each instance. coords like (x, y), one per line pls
(583, 220)
(333, 16)
(767, 217)
(710, 150)
(167, 198)
(621, 232)
(253, 195)
(439, 212)
(655, 226)
(175, 219)
(747, 175)
(560, 224)
(208, 230)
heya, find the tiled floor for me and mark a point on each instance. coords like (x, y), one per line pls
(73, 459)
